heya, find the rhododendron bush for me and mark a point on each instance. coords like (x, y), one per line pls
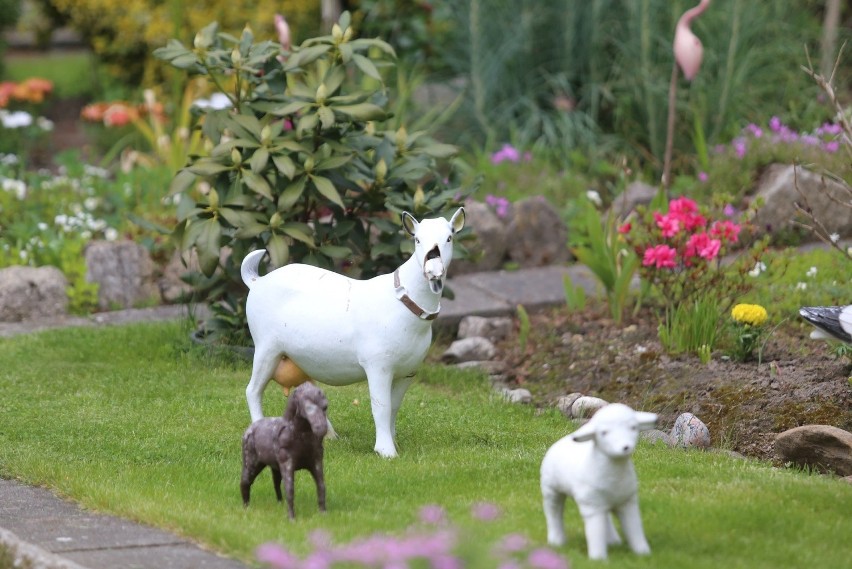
(687, 252)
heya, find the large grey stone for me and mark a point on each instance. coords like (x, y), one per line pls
(470, 349)
(777, 186)
(488, 247)
(537, 234)
(491, 328)
(826, 448)
(124, 273)
(637, 193)
(586, 406)
(28, 293)
(690, 431)
(172, 287)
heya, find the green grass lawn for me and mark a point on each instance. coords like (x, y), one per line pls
(72, 72)
(135, 421)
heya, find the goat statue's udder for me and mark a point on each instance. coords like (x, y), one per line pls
(289, 375)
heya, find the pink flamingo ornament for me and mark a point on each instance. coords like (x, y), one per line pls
(688, 50)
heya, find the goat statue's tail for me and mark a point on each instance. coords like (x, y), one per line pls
(248, 270)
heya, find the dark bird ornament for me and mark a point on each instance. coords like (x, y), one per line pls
(831, 322)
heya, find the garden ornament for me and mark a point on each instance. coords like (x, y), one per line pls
(287, 444)
(831, 322)
(593, 465)
(339, 331)
(688, 51)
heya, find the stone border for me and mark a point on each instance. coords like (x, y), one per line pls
(27, 555)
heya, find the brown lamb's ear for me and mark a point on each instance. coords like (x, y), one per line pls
(409, 223)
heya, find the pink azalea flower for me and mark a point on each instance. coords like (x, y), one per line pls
(727, 230)
(661, 257)
(683, 205)
(702, 245)
(625, 228)
(668, 224)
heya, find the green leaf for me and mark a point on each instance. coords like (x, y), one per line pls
(279, 251)
(334, 78)
(208, 167)
(182, 181)
(335, 251)
(326, 117)
(257, 183)
(365, 65)
(249, 124)
(362, 111)
(285, 165)
(306, 56)
(259, 160)
(290, 108)
(237, 218)
(327, 189)
(440, 150)
(207, 244)
(363, 43)
(346, 52)
(332, 163)
(307, 122)
(291, 194)
(298, 231)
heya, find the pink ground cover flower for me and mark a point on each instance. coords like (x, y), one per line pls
(668, 224)
(702, 245)
(660, 256)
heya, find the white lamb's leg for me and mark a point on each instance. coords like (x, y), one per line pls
(400, 386)
(631, 523)
(612, 537)
(379, 382)
(262, 370)
(596, 533)
(554, 506)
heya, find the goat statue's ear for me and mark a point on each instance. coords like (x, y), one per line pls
(646, 421)
(409, 223)
(457, 221)
(584, 433)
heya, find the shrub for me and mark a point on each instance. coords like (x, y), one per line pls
(300, 166)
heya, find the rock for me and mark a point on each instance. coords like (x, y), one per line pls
(470, 349)
(124, 272)
(491, 328)
(655, 436)
(488, 248)
(494, 367)
(537, 235)
(517, 396)
(637, 193)
(586, 406)
(172, 287)
(690, 431)
(28, 293)
(826, 448)
(565, 402)
(847, 479)
(777, 186)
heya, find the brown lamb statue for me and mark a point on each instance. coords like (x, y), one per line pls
(287, 444)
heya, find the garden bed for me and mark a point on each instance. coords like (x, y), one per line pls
(799, 381)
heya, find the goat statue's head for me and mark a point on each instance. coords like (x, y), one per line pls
(433, 245)
(615, 429)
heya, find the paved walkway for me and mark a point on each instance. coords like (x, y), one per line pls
(52, 533)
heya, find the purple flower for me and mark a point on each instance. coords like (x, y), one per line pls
(432, 514)
(739, 145)
(729, 210)
(775, 124)
(275, 555)
(507, 153)
(829, 129)
(831, 146)
(500, 205)
(544, 558)
(754, 130)
(513, 542)
(485, 511)
(810, 140)
(703, 177)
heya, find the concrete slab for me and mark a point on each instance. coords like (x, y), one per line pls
(92, 540)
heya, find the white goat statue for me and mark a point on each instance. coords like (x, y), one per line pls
(309, 323)
(593, 466)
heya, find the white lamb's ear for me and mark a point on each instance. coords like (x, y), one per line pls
(584, 433)
(409, 223)
(646, 421)
(457, 221)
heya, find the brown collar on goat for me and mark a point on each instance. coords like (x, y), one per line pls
(402, 295)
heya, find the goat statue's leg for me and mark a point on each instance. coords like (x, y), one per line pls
(319, 478)
(250, 472)
(400, 386)
(554, 507)
(276, 482)
(379, 381)
(288, 474)
(263, 368)
(631, 524)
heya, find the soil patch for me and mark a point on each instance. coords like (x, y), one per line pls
(798, 381)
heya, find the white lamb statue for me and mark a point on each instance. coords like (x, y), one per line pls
(593, 466)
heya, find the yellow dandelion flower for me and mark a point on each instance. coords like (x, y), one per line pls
(752, 314)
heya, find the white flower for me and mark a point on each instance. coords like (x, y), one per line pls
(835, 237)
(44, 124)
(8, 159)
(801, 286)
(42, 226)
(759, 267)
(18, 187)
(595, 198)
(811, 272)
(110, 234)
(17, 119)
(23, 254)
(849, 251)
(216, 102)
(90, 203)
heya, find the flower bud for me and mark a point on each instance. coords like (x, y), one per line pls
(213, 198)
(309, 164)
(322, 94)
(419, 197)
(275, 220)
(265, 134)
(381, 170)
(236, 57)
(236, 157)
(347, 34)
(401, 137)
(336, 32)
